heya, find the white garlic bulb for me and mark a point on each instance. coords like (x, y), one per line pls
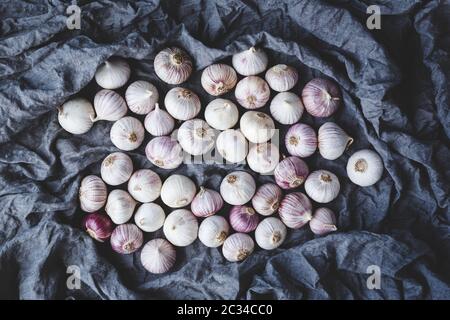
(263, 157)
(173, 65)
(237, 188)
(75, 116)
(141, 97)
(92, 193)
(257, 126)
(213, 231)
(164, 152)
(270, 233)
(127, 133)
(252, 92)
(109, 106)
(286, 108)
(218, 79)
(158, 256)
(365, 168)
(159, 122)
(196, 137)
(145, 185)
(322, 186)
(333, 141)
(221, 114)
(178, 191)
(238, 247)
(149, 217)
(116, 168)
(250, 62)
(120, 206)
(182, 104)
(232, 145)
(113, 73)
(181, 228)
(282, 77)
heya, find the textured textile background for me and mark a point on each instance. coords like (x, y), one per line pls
(395, 83)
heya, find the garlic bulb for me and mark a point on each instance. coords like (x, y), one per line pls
(257, 127)
(178, 191)
(181, 228)
(322, 186)
(270, 233)
(149, 217)
(92, 193)
(127, 133)
(158, 256)
(196, 137)
(126, 238)
(159, 122)
(301, 140)
(321, 97)
(263, 157)
(173, 65)
(218, 79)
(213, 231)
(267, 199)
(206, 203)
(295, 210)
(221, 114)
(323, 221)
(238, 247)
(116, 168)
(182, 104)
(141, 97)
(75, 116)
(109, 106)
(113, 73)
(237, 188)
(250, 62)
(291, 172)
(365, 168)
(243, 219)
(164, 152)
(232, 145)
(145, 185)
(120, 206)
(286, 108)
(98, 226)
(333, 141)
(252, 92)
(282, 77)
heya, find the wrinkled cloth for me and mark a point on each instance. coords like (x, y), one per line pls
(395, 84)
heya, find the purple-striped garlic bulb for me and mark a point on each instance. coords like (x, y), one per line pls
(109, 106)
(282, 77)
(206, 203)
(92, 193)
(291, 172)
(321, 97)
(243, 219)
(173, 65)
(164, 152)
(126, 238)
(218, 79)
(267, 199)
(98, 226)
(301, 140)
(238, 247)
(323, 221)
(252, 92)
(295, 210)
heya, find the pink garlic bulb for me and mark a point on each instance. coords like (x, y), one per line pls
(291, 173)
(295, 210)
(301, 140)
(323, 221)
(206, 203)
(243, 219)
(321, 97)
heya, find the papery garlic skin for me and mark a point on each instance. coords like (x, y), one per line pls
(164, 152)
(173, 65)
(281, 77)
(291, 172)
(213, 231)
(263, 157)
(116, 168)
(182, 104)
(127, 133)
(206, 203)
(98, 226)
(221, 114)
(149, 217)
(321, 97)
(323, 221)
(252, 92)
(75, 116)
(250, 62)
(237, 188)
(270, 233)
(178, 191)
(218, 79)
(92, 193)
(141, 97)
(120, 206)
(301, 140)
(243, 219)
(286, 108)
(238, 247)
(232, 145)
(159, 122)
(158, 256)
(365, 168)
(181, 228)
(126, 238)
(145, 185)
(257, 126)
(333, 141)
(109, 105)
(267, 199)
(113, 73)
(322, 186)
(295, 210)
(196, 137)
